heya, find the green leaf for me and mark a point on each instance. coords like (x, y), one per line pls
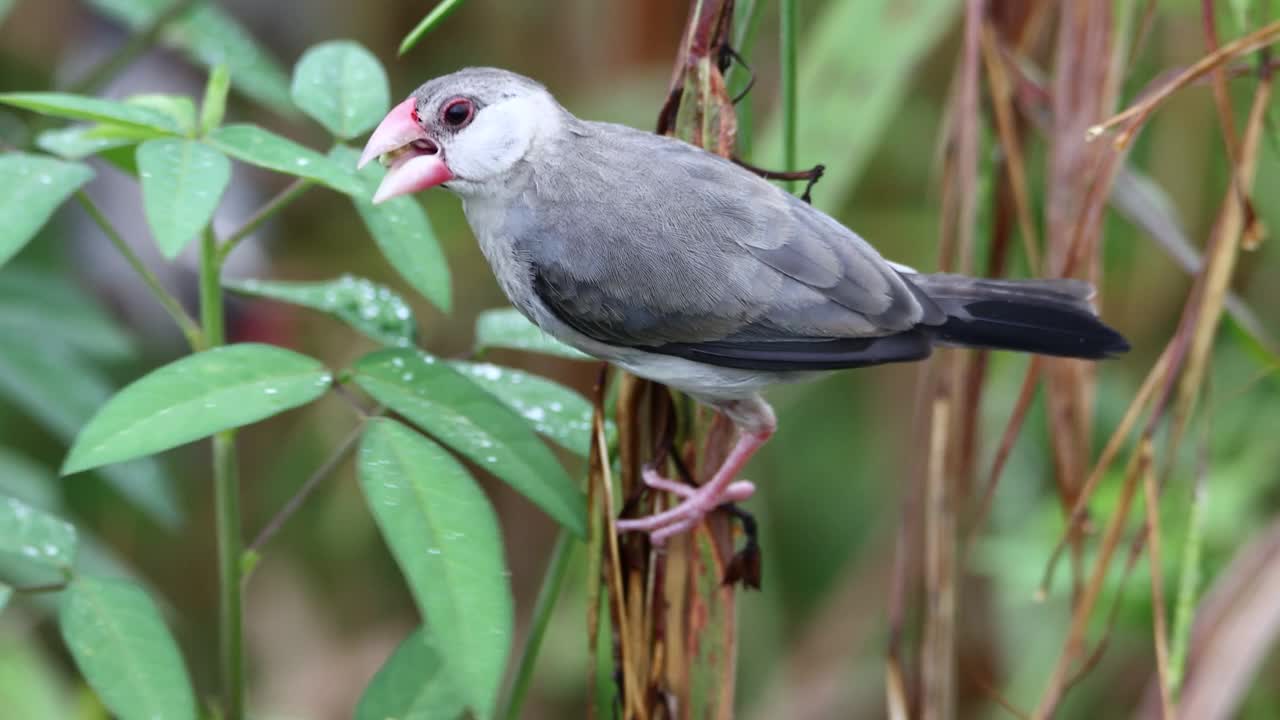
(81, 107)
(61, 392)
(460, 414)
(342, 86)
(420, 496)
(78, 141)
(438, 13)
(36, 536)
(211, 37)
(34, 186)
(214, 106)
(195, 397)
(507, 328)
(182, 184)
(121, 645)
(366, 306)
(256, 146)
(868, 47)
(179, 108)
(6, 592)
(553, 410)
(412, 685)
(403, 234)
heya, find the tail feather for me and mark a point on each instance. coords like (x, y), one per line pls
(1048, 317)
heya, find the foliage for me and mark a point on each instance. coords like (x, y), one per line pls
(416, 490)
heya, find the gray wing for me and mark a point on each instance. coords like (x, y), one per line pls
(643, 241)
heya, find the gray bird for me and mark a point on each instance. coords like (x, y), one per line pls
(681, 267)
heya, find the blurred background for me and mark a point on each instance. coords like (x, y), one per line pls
(327, 604)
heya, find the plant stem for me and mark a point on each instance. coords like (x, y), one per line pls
(226, 489)
(195, 338)
(291, 507)
(139, 43)
(552, 582)
(787, 26)
(264, 213)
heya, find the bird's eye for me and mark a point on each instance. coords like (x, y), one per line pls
(457, 112)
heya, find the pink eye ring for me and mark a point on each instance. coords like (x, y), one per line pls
(457, 112)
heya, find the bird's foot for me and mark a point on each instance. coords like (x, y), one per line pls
(695, 505)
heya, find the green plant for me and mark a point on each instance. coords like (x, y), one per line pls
(437, 523)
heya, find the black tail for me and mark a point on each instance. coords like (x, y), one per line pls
(1048, 317)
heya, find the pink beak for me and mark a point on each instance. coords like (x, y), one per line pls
(414, 169)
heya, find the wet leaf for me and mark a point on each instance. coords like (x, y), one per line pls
(121, 645)
(462, 415)
(78, 141)
(195, 397)
(364, 305)
(342, 86)
(507, 328)
(412, 685)
(34, 186)
(403, 234)
(135, 117)
(552, 409)
(179, 108)
(252, 144)
(36, 536)
(182, 184)
(421, 496)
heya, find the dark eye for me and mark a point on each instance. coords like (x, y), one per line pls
(457, 112)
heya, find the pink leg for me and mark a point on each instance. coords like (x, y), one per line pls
(698, 502)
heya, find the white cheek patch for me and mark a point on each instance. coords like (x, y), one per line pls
(498, 138)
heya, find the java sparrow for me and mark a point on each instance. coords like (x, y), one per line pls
(681, 267)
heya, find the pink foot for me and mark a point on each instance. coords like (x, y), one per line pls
(697, 503)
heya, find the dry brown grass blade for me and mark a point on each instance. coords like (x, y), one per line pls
(1010, 144)
(953, 401)
(1132, 118)
(1159, 371)
(1253, 230)
(1140, 461)
(1224, 250)
(1076, 192)
(938, 655)
(896, 691)
(633, 702)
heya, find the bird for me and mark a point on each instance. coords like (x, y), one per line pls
(684, 268)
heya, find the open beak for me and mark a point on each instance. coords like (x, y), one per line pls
(413, 159)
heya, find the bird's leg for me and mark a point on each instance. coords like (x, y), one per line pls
(810, 176)
(756, 424)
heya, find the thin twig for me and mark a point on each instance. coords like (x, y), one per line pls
(264, 213)
(308, 487)
(195, 337)
(1134, 116)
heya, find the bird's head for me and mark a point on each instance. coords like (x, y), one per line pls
(465, 131)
